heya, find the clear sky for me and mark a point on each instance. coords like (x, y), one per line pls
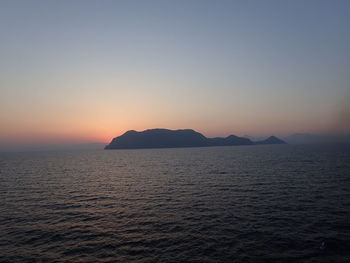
(79, 71)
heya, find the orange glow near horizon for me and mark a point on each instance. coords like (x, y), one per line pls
(102, 69)
(103, 129)
(97, 117)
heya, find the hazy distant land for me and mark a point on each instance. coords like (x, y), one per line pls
(298, 138)
(164, 138)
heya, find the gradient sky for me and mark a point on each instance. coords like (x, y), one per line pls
(79, 71)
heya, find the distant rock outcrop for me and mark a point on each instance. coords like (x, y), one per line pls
(164, 138)
(271, 140)
(304, 138)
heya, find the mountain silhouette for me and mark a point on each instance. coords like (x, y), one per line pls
(305, 138)
(164, 138)
(271, 140)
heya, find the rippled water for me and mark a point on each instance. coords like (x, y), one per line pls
(222, 204)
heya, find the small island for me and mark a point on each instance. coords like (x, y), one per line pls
(164, 138)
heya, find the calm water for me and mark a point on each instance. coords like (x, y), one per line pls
(223, 204)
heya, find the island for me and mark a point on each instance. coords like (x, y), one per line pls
(164, 138)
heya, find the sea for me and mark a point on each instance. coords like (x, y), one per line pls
(263, 203)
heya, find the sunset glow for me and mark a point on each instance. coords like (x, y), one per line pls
(73, 73)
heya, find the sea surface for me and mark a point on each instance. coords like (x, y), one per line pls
(277, 203)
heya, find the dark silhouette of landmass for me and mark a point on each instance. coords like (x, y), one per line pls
(35, 147)
(306, 138)
(271, 140)
(164, 138)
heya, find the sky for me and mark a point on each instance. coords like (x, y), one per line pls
(87, 71)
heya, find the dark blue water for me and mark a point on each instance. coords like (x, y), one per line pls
(222, 204)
